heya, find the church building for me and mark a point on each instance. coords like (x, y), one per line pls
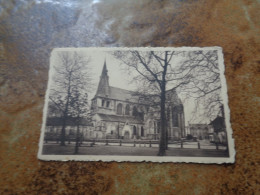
(121, 114)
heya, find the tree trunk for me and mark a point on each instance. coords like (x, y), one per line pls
(63, 133)
(166, 145)
(62, 138)
(62, 141)
(162, 146)
(163, 140)
(77, 140)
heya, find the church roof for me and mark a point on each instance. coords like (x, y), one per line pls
(123, 95)
(120, 94)
(104, 90)
(131, 96)
(123, 119)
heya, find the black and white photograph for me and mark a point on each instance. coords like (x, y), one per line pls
(137, 104)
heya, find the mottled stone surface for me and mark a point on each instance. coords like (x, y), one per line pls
(28, 32)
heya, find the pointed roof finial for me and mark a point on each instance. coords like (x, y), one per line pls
(103, 86)
(104, 71)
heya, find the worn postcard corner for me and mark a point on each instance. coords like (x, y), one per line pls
(137, 105)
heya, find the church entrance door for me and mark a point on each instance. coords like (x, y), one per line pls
(126, 135)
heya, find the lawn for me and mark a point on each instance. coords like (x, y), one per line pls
(56, 149)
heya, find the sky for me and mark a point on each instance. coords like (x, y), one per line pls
(117, 76)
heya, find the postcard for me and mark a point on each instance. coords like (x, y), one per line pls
(137, 104)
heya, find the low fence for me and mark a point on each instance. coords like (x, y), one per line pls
(136, 143)
(56, 138)
(153, 143)
(121, 142)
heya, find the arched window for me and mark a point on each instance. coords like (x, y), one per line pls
(142, 111)
(175, 122)
(142, 131)
(135, 112)
(158, 127)
(151, 126)
(134, 130)
(181, 107)
(168, 113)
(127, 109)
(119, 109)
(155, 127)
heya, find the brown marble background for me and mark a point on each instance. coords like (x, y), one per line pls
(28, 32)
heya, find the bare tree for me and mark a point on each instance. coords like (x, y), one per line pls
(71, 82)
(154, 70)
(202, 70)
(193, 73)
(78, 109)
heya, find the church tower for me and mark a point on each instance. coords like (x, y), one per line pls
(101, 102)
(103, 86)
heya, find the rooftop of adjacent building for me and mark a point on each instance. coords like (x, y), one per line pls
(58, 121)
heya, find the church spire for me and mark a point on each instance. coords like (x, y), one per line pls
(104, 71)
(103, 86)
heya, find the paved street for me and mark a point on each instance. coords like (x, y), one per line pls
(130, 150)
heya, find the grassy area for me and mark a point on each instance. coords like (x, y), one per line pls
(55, 149)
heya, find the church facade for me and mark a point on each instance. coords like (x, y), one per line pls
(121, 114)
